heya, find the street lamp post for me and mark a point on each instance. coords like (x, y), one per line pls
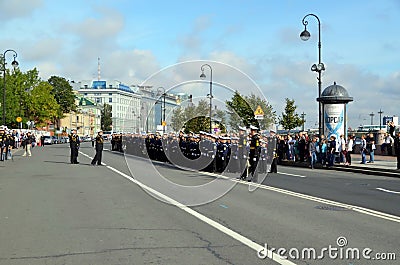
(380, 119)
(203, 76)
(303, 120)
(163, 108)
(372, 118)
(305, 35)
(14, 64)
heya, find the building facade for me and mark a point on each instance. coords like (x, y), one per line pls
(154, 111)
(86, 119)
(124, 101)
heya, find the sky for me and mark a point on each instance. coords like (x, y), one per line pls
(251, 45)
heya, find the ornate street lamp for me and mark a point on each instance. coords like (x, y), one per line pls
(14, 64)
(305, 35)
(203, 76)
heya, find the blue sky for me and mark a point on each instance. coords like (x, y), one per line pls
(134, 39)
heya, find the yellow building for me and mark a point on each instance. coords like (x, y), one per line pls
(86, 119)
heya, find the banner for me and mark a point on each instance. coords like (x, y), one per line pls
(334, 120)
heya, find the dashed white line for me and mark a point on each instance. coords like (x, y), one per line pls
(293, 175)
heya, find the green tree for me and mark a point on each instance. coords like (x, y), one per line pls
(290, 119)
(192, 118)
(177, 119)
(42, 106)
(64, 95)
(19, 87)
(241, 111)
(106, 117)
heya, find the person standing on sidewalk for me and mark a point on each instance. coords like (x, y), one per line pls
(371, 148)
(363, 150)
(332, 150)
(397, 149)
(312, 148)
(349, 149)
(99, 149)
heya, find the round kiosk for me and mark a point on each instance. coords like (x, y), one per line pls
(334, 101)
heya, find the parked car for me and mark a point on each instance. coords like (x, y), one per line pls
(64, 140)
(48, 140)
(55, 139)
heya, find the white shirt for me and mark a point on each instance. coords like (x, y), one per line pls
(350, 145)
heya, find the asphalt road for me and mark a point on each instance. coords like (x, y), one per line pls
(131, 211)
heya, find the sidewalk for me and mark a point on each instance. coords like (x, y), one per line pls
(383, 165)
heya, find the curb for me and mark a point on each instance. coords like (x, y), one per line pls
(362, 170)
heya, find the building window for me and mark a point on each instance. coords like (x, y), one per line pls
(109, 100)
(98, 100)
(110, 94)
(85, 94)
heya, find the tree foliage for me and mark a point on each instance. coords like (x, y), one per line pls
(241, 111)
(197, 118)
(28, 97)
(290, 119)
(106, 117)
(63, 93)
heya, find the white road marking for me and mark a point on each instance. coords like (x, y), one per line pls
(294, 175)
(389, 191)
(244, 240)
(359, 209)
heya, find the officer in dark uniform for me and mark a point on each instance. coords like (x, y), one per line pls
(273, 145)
(233, 165)
(242, 153)
(99, 149)
(254, 154)
(2, 143)
(397, 149)
(74, 143)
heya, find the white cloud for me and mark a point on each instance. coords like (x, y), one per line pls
(18, 8)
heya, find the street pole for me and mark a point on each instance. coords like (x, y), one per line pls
(380, 119)
(14, 64)
(162, 113)
(302, 118)
(372, 118)
(203, 76)
(305, 35)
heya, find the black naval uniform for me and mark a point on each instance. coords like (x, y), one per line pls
(74, 143)
(242, 156)
(254, 156)
(274, 145)
(99, 150)
(2, 145)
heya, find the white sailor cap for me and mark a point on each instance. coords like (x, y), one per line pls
(253, 127)
(242, 128)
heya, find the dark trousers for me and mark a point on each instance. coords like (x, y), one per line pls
(242, 167)
(398, 159)
(74, 155)
(2, 153)
(348, 157)
(97, 157)
(274, 165)
(253, 172)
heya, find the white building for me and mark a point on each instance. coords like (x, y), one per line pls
(153, 109)
(123, 99)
